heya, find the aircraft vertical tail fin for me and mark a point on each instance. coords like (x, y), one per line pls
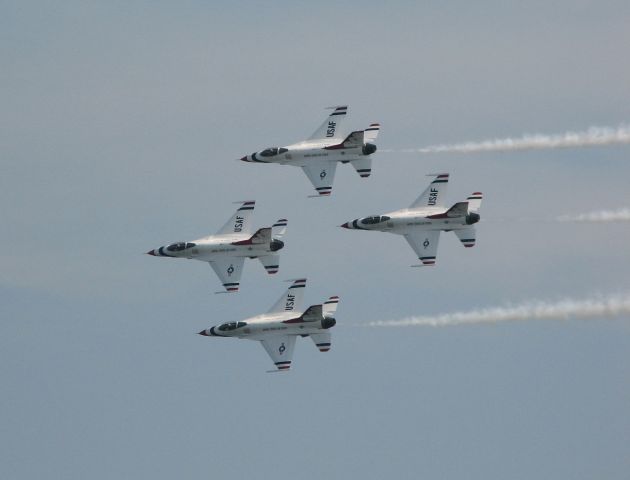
(262, 235)
(460, 209)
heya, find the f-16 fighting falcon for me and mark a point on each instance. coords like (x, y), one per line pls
(318, 156)
(425, 218)
(278, 329)
(226, 251)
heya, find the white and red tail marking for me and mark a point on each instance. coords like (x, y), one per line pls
(474, 201)
(371, 132)
(322, 341)
(330, 306)
(279, 228)
(271, 263)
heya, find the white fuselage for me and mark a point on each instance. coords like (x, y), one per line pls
(301, 153)
(263, 326)
(215, 246)
(405, 221)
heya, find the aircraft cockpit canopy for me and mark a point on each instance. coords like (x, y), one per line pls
(375, 219)
(226, 327)
(178, 247)
(273, 151)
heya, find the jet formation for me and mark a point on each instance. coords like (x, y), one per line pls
(319, 154)
(277, 329)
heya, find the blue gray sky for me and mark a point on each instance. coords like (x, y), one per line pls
(121, 123)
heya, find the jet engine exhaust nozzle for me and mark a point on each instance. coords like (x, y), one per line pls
(368, 149)
(328, 322)
(472, 218)
(276, 245)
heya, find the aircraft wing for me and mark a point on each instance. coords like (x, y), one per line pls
(425, 244)
(280, 349)
(321, 174)
(292, 299)
(467, 236)
(331, 128)
(433, 195)
(240, 222)
(229, 271)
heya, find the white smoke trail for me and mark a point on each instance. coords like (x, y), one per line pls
(595, 307)
(620, 215)
(594, 136)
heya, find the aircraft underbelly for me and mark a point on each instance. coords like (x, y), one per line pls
(224, 251)
(260, 332)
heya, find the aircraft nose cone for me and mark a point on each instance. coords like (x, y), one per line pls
(244, 159)
(151, 252)
(345, 225)
(203, 332)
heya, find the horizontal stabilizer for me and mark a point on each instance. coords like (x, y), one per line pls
(271, 263)
(330, 306)
(468, 236)
(279, 228)
(474, 201)
(321, 341)
(370, 133)
(363, 166)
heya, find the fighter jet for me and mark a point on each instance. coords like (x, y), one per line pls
(278, 329)
(318, 156)
(226, 251)
(425, 218)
